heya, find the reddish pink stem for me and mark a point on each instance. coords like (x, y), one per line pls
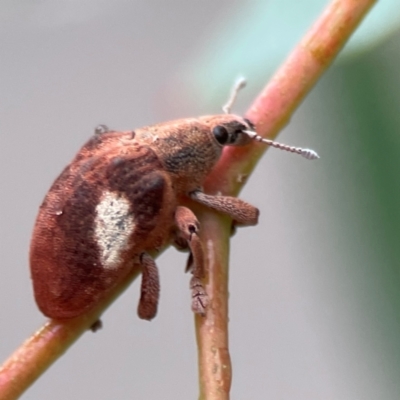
(274, 106)
(270, 112)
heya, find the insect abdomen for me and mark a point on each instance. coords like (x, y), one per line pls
(93, 224)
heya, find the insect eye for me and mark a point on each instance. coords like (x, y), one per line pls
(221, 134)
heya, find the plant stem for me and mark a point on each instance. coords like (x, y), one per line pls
(49, 343)
(270, 112)
(212, 330)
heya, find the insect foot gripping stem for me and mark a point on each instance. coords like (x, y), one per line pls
(188, 230)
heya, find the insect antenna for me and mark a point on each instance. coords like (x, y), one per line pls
(306, 153)
(240, 84)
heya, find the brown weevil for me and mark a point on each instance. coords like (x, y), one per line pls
(121, 198)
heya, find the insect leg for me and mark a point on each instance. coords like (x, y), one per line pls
(149, 289)
(241, 212)
(188, 229)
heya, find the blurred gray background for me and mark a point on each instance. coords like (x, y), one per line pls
(315, 294)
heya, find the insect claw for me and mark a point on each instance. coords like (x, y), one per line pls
(199, 297)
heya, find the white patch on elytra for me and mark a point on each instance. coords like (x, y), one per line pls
(114, 224)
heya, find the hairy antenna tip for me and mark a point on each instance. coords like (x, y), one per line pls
(240, 83)
(309, 154)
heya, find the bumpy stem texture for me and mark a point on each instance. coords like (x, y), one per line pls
(270, 112)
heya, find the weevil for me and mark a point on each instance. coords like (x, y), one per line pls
(121, 198)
